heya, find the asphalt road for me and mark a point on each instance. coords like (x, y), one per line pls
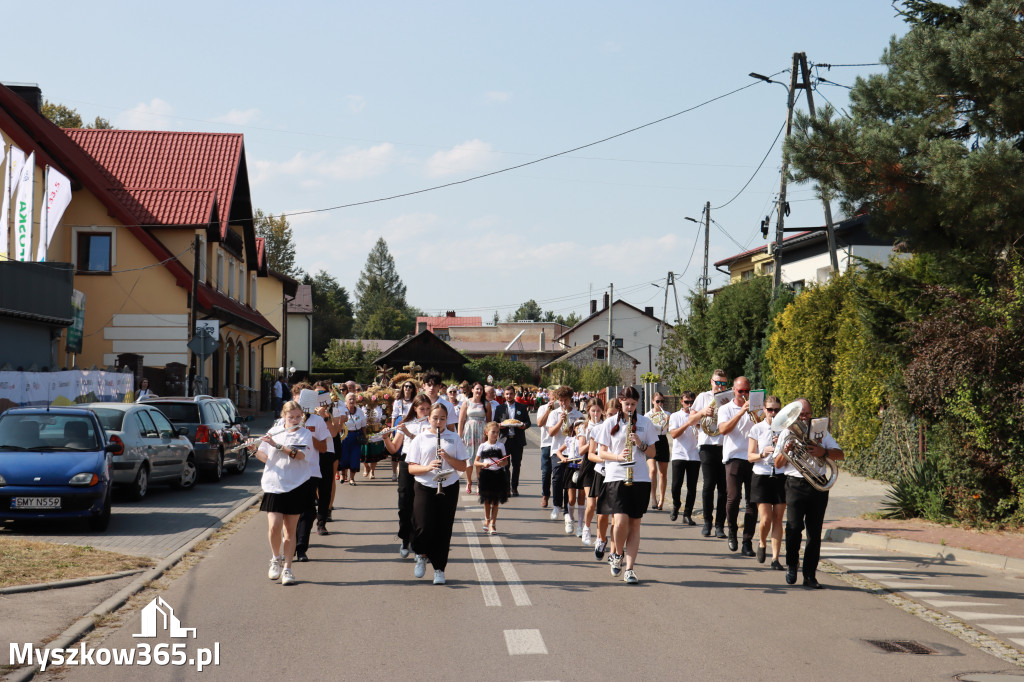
(530, 604)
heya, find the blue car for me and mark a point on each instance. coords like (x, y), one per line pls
(55, 464)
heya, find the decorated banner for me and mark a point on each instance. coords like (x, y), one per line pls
(58, 196)
(74, 342)
(12, 176)
(63, 389)
(23, 211)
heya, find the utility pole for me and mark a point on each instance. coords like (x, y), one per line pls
(777, 282)
(193, 316)
(705, 280)
(611, 304)
(829, 230)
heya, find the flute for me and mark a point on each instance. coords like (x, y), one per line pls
(253, 441)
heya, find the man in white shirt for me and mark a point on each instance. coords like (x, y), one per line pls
(734, 423)
(712, 470)
(559, 421)
(805, 505)
(490, 395)
(543, 412)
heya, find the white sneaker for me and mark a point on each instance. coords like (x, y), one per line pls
(615, 562)
(570, 527)
(403, 551)
(275, 568)
(599, 548)
(286, 577)
(554, 514)
(586, 537)
(630, 577)
(579, 529)
(421, 566)
(439, 577)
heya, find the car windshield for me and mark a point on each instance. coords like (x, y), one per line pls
(110, 419)
(48, 432)
(229, 408)
(179, 413)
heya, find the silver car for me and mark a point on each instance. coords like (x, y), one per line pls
(152, 450)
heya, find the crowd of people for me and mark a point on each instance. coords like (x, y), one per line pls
(603, 467)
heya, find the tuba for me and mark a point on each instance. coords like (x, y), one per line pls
(819, 472)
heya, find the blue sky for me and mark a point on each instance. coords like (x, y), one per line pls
(345, 102)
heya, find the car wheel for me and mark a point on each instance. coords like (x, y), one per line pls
(141, 485)
(217, 472)
(99, 523)
(188, 474)
(242, 461)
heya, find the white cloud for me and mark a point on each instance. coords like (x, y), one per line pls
(462, 158)
(156, 115)
(497, 96)
(313, 169)
(356, 103)
(239, 117)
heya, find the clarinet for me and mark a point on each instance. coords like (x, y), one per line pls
(628, 451)
(439, 450)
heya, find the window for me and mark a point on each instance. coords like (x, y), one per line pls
(618, 343)
(746, 274)
(252, 291)
(146, 427)
(94, 251)
(202, 259)
(599, 353)
(231, 278)
(220, 272)
(241, 282)
(162, 425)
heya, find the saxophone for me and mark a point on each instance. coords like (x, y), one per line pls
(628, 451)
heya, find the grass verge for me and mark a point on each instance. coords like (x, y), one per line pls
(27, 562)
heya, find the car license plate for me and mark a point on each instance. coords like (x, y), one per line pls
(35, 503)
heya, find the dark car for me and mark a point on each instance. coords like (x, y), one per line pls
(55, 463)
(154, 451)
(209, 429)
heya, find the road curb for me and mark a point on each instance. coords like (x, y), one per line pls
(74, 582)
(86, 623)
(924, 549)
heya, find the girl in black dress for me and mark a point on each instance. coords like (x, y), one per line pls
(493, 485)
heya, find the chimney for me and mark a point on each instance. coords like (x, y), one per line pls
(421, 326)
(649, 310)
(30, 93)
(541, 338)
(450, 313)
(593, 306)
(605, 307)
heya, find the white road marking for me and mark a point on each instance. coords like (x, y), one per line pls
(977, 615)
(1003, 629)
(1018, 642)
(483, 574)
(900, 585)
(947, 604)
(925, 594)
(511, 577)
(864, 562)
(520, 642)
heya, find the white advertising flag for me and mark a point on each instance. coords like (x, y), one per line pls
(23, 212)
(12, 175)
(58, 196)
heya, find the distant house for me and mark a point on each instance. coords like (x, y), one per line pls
(596, 351)
(426, 350)
(805, 258)
(532, 343)
(439, 324)
(638, 333)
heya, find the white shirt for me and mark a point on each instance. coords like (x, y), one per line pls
(545, 437)
(415, 427)
(660, 420)
(702, 401)
(281, 473)
(144, 393)
(494, 407)
(592, 435)
(398, 410)
(685, 447)
(827, 442)
(556, 416)
(763, 434)
(316, 426)
(616, 443)
(453, 414)
(356, 420)
(486, 452)
(424, 451)
(734, 443)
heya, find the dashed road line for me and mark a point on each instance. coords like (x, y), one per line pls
(511, 577)
(978, 615)
(524, 642)
(483, 574)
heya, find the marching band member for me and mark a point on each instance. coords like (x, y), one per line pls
(627, 488)
(321, 435)
(493, 483)
(768, 484)
(559, 425)
(605, 541)
(432, 387)
(285, 484)
(328, 461)
(685, 459)
(399, 409)
(658, 466)
(805, 505)
(433, 514)
(411, 424)
(734, 423)
(571, 460)
(543, 413)
(712, 470)
(588, 469)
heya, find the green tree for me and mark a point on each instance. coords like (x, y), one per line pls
(381, 309)
(530, 310)
(65, 117)
(571, 321)
(344, 355)
(332, 311)
(598, 375)
(280, 243)
(561, 374)
(500, 367)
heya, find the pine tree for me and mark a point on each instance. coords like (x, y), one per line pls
(280, 247)
(381, 310)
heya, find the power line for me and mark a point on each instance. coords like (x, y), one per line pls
(830, 66)
(747, 184)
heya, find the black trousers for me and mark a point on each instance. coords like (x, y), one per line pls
(307, 518)
(405, 500)
(515, 460)
(433, 516)
(683, 468)
(713, 472)
(545, 471)
(805, 508)
(737, 482)
(323, 487)
(558, 498)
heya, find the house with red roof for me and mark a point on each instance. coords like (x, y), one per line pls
(141, 202)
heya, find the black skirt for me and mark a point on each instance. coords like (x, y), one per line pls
(574, 478)
(662, 452)
(295, 501)
(631, 500)
(493, 485)
(768, 489)
(596, 482)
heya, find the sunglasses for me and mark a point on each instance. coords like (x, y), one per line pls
(687, 402)
(658, 402)
(721, 383)
(772, 409)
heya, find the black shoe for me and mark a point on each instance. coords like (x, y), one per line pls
(515, 493)
(321, 529)
(301, 557)
(674, 515)
(688, 520)
(720, 533)
(812, 583)
(706, 530)
(732, 543)
(747, 549)
(791, 576)
(777, 565)
(760, 554)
